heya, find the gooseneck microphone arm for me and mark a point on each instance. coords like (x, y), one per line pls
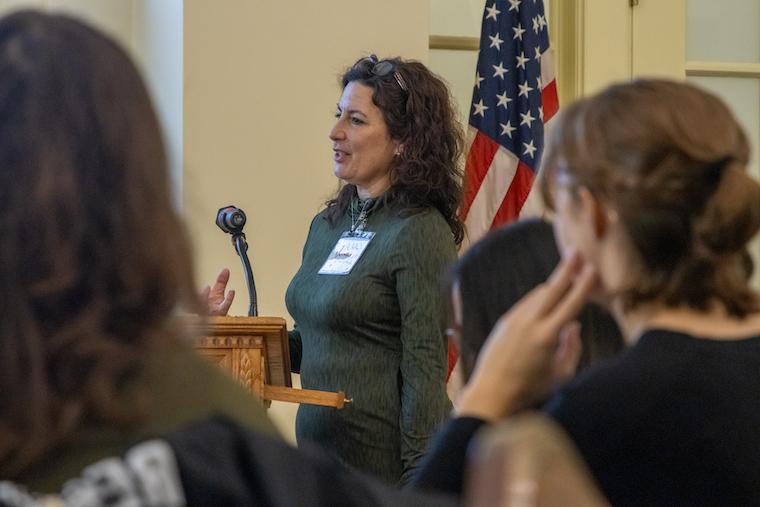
(231, 220)
(241, 247)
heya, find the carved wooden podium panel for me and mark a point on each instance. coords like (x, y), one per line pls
(254, 350)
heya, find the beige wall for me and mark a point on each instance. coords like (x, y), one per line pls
(459, 18)
(606, 48)
(614, 41)
(259, 98)
(260, 93)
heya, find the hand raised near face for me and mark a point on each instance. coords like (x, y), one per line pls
(532, 346)
(214, 299)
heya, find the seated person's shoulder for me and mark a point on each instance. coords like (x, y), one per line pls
(186, 387)
(217, 461)
(607, 404)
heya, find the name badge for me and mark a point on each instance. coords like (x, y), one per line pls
(346, 253)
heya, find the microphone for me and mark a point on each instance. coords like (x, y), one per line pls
(231, 220)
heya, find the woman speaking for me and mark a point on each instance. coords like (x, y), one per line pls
(367, 299)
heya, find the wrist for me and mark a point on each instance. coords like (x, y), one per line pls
(488, 404)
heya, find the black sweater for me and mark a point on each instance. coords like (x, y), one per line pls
(673, 420)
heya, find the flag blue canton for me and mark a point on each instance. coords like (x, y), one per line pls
(506, 104)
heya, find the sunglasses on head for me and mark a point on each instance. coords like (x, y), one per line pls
(382, 68)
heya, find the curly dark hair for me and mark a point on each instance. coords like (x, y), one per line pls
(423, 118)
(93, 257)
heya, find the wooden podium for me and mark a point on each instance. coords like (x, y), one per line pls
(254, 350)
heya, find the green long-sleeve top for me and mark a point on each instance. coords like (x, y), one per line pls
(183, 388)
(376, 334)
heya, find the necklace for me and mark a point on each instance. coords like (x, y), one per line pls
(358, 224)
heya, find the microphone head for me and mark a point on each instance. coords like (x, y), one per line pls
(230, 219)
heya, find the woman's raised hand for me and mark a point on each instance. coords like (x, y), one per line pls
(214, 297)
(532, 347)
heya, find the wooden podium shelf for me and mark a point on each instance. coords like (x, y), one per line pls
(254, 350)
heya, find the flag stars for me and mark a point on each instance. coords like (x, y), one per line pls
(529, 149)
(499, 70)
(478, 79)
(519, 31)
(509, 85)
(527, 119)
(507, 129)
(503, 100)
(521, 60)
(479, 108)
(524, 89)
(495, 41)
(492, 12)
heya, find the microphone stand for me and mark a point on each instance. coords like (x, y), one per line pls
(241, 247)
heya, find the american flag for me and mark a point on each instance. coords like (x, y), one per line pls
(515, 95)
